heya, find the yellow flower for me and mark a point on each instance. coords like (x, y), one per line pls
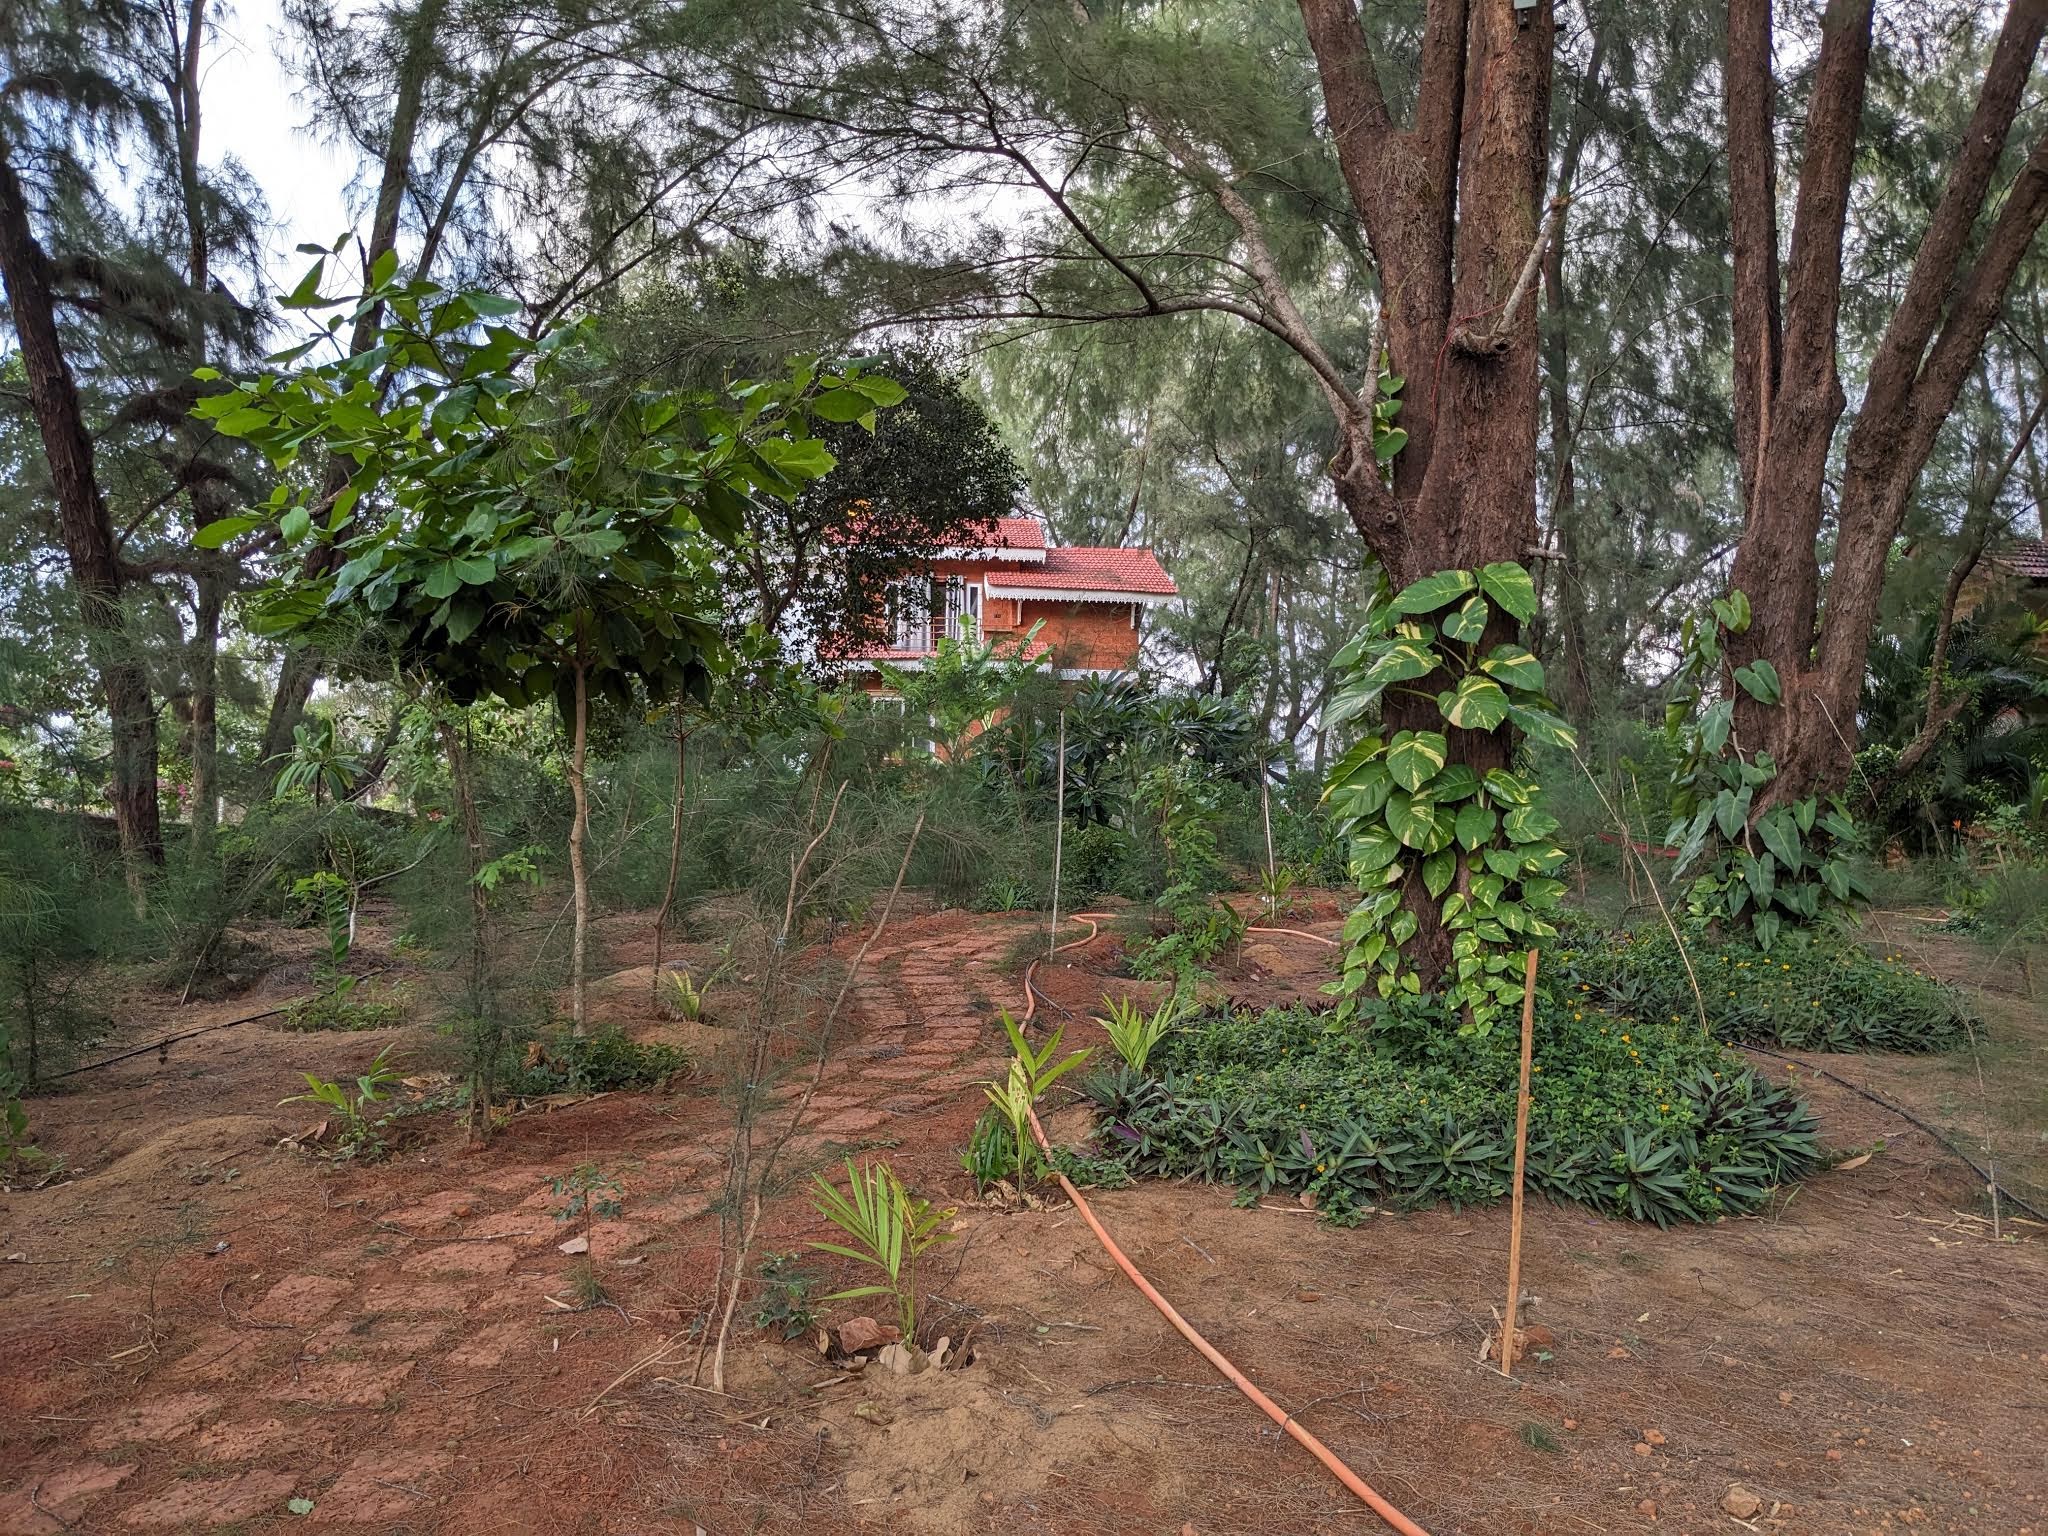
(1784, 967)
(1624, 1039)
(1638, 1055)
(1578, 1016)
(1319, 1167)
(1663, 1109)
(1816, 1002)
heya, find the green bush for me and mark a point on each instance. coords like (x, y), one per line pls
(606, 1061)
(1811, 991)
(1649, 1121)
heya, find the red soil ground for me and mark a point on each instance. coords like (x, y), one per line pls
(200, 1326)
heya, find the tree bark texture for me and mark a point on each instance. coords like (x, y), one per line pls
(1788, 396)
(87, 530)
(579, 832)
(1451, 208)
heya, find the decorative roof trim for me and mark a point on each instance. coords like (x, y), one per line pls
(1074, 594)
(1023, 555)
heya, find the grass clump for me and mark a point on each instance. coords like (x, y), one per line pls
(1809, 991)
(1647, 1121)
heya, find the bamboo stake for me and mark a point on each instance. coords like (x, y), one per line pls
(1507, 1329)
(1059, 831)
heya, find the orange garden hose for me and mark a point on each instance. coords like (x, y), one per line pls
(1329, 1458)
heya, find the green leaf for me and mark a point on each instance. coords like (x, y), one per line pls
(1401, 660)
(1412, 819)
(841, 405)
(1476, 704)
(1433, 592)
(802, 458)
(1760, 680)
(1528, 824)
(1466, 622)
(1541, 725)
(1733, 612)
(1781, 836)
(307, 294)
(1714, 729)
(1503, 788)
(1415, 756)
(1475, 824)
(1437, 871)
(295, 525)
(1511, 587)
(1766, 925)
(217, 533)
(492, 306)
(1514, 667)
(1388, 443)
(300, 1506)
(1374, 848)
(1455, 782)
(1731, 811)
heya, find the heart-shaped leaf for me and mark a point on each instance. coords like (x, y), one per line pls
(1415, 756)
(1433, 592)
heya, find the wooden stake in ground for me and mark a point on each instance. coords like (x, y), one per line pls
(1507, 1328)
(1059, 828)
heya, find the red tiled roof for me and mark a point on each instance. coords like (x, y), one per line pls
(1018, 533)
(1136, 571)
(2025, 557)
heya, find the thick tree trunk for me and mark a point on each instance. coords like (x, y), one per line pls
(1465, 183)
(1788, 396)
(88, 531)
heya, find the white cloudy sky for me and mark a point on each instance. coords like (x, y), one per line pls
(250, 113)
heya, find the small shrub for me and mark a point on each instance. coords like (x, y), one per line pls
(678, 997)
(889, 1228)
(991, 1153)
(785, 1303)
(1032, 1071)
(1809, 991)
(1133, 1032)
(1202, 929)
(343, 1007)
(604, 1062)
(359, 1136)
(1007, 893)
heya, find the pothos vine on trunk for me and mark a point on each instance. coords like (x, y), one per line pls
(1477, 845)
(1768, 857)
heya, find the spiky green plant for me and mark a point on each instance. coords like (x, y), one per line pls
(890, 1228)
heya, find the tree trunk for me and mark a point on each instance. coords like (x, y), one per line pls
(302, 663)
(1788, 396)
(88, 531)
(1452, 210)
(480, 1001)
(204, 665)
(579, 830)
(675, 845)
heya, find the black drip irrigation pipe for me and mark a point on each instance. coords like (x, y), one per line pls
(162, 1047)
(1906, 1114)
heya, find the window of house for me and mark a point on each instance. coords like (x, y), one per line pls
(963, 601)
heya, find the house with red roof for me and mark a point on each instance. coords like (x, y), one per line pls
(1087, 603)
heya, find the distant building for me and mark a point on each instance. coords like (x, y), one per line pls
(2013, 571)
(1089, 603)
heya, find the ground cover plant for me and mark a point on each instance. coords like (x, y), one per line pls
(1647, 1120)
(1811, 990)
